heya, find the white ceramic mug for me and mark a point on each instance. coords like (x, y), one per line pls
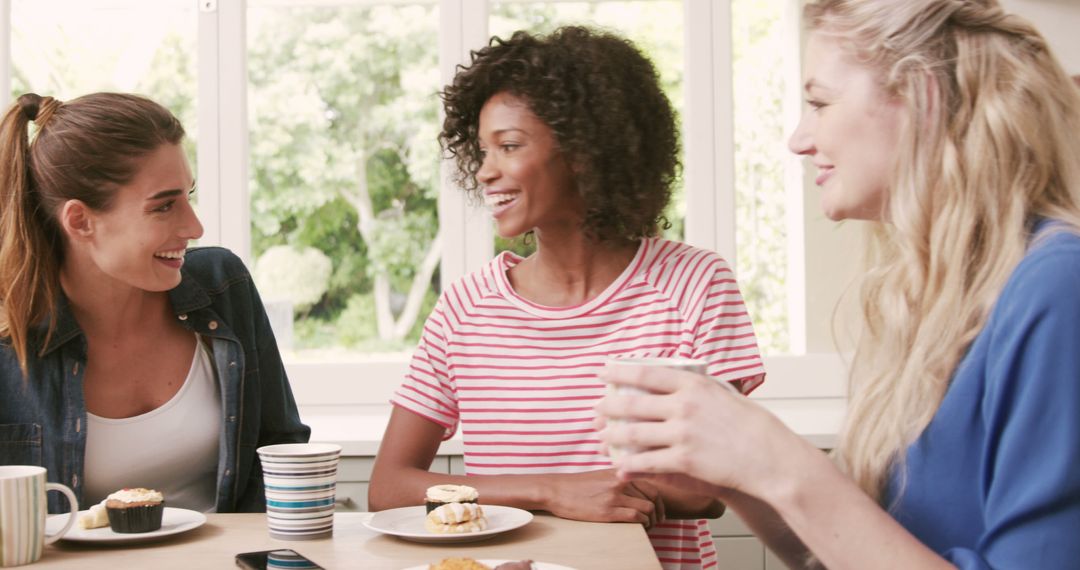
(689, 364)
(22, 513)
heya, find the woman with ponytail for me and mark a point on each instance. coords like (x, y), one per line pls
(951, 126)
(126, 359)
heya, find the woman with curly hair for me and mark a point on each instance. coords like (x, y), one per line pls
(568, 136)
(951, 125)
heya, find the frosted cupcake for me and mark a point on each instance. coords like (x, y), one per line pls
(135, 510)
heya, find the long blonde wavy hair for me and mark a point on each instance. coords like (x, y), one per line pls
(992, 144)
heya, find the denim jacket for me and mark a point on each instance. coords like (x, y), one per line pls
(43, 418)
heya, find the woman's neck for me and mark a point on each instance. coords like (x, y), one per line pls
(569, 269)
(106, 308)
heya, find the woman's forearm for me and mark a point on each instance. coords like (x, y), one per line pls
(407, 488)
(842, 526)
(767, 525)
(680, 504)
(596, 496)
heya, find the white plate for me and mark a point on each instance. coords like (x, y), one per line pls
(408, 523)
(173, 521)
(494, 563)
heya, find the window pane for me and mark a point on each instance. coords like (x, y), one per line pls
(344, 171)
(654, 25)
(760, 149)
(68, 48)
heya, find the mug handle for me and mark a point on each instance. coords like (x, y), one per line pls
(72, 517)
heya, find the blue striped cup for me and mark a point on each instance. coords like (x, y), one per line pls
(22, 514)
(300, 481)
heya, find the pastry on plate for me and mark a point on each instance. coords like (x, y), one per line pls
(135, 510)
(456, 518)
(458, 564)
(470, 564)
(94, 517)
(440, 495)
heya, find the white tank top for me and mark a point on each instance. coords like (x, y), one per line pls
(173, 448)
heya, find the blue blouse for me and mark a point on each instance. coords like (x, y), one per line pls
(994, 481)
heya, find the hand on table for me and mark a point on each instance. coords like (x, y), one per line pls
(600, 496)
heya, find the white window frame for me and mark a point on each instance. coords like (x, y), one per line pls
(814, 371)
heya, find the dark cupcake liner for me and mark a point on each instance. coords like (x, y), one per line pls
(132, 520)
(432, 505)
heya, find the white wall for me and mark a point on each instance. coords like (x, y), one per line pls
(1059, 21)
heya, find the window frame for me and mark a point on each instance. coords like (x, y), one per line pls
(813, 371)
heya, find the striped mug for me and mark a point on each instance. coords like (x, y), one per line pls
(22, 513)
(300, 481)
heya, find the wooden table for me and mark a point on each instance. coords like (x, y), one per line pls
(580, 545)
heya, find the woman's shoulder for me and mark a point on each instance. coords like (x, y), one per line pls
(211, 272)
(1050, 266)
(212, 262)
(483, 281)
(1043, 286)
(1032, 332)
(664, 256)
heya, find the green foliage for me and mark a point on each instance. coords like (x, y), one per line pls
(313, 333)
(332, 229)
(356, 323)
(523, 245)
(425, 309)
(172, 83)
(400, 240)
(356, 328)
(345, 113)
(761, 232)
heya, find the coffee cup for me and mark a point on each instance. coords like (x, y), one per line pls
(677, 363)
(22, 514)
(300, 481)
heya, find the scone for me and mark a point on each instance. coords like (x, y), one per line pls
(95, 517)
(458, 564)
(440, 495)
(454, 518)
(135, 510)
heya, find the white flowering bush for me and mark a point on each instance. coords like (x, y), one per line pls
(298, 275)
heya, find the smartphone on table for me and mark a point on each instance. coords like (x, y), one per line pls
(280, 559)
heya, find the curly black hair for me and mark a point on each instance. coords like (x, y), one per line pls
(602, 99)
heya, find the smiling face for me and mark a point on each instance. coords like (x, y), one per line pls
(850, 131)
(140, 240)
(527, 182)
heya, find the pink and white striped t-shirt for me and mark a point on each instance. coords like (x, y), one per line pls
(520, 378)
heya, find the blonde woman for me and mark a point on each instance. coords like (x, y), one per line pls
(951, 124)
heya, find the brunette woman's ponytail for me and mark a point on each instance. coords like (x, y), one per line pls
(29, 248)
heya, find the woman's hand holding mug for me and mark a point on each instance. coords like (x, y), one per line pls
(680, 426)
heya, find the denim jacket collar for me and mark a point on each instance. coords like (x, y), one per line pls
(186, 297)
